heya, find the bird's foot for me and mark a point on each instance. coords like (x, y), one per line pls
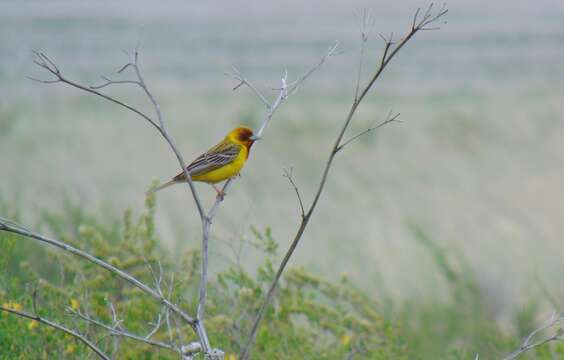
(220, 193)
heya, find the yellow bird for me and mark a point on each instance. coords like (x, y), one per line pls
(221, 162)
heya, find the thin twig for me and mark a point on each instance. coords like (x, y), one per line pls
(286, 89)
(157, 326)
(113, 330)
(59, 327)
(9, 226)
(528, 344)
(389, 119)
(363, 39)
(46, 63)
(288, 174)
(108, 82)
(243, 81)
(293, 86)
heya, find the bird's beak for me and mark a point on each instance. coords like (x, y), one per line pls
(254, 138)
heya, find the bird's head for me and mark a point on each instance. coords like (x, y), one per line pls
(243, 135)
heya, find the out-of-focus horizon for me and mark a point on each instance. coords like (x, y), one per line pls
(477, 161)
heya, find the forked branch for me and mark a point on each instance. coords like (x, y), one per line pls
(42, 320)
(289, 175)
(389, 119)
(284, 91)
(556, 323)
(115, 330)
(6, 225)
(46, 63)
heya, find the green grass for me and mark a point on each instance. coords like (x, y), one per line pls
(312, 317)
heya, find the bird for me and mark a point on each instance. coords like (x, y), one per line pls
(221, 162)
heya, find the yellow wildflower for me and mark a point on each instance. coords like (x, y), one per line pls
(70, 349)
(230, 357)
(74, 304)
(33, 324)
(345, 339)
(13, 306)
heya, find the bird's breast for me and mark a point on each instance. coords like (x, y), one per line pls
(225, 172)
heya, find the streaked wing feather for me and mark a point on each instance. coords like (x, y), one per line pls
(216, 157)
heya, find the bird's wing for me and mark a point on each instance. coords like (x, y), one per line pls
(216, 157)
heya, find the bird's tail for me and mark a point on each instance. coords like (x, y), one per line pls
(160, 187)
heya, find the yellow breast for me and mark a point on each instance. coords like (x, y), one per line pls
(225, 172)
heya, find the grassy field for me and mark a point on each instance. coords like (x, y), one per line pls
(312, 318)
(476, 164)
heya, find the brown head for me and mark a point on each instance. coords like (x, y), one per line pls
(244, 136)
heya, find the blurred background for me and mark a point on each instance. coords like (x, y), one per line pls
(477, 162)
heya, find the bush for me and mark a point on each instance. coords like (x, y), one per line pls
(311, 318)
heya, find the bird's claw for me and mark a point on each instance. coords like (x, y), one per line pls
(221, 195)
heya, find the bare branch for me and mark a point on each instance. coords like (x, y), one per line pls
(288, 174)
(288, 89)
(292, 87)
(44, 62)
(364, 38)
(151, 97)
(243, 81)
(43, 81)
(115, 331)
(555, 322)
(387, 44)
(157, 326)
(59, 327)
(429, 18)
(415, 18)
(389, 119)
(388, 55)
(114, 314)
(190, 350)
(157, 280)
(168, 326)
(9, 226)
(109, 81)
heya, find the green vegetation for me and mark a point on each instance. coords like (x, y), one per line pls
(313, 318)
